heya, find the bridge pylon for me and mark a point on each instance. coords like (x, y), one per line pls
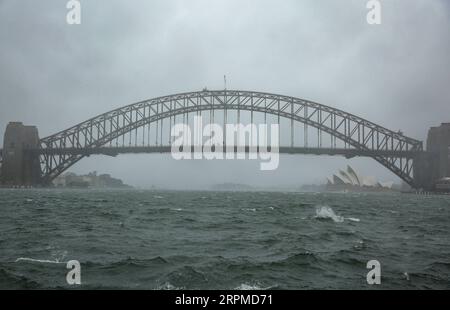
(434, 164)
(19, 167)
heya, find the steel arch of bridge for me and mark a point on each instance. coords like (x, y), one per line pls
(354, 131)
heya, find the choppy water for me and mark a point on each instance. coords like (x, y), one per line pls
(222, 240)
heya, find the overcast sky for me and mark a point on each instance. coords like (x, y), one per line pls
(54, 75)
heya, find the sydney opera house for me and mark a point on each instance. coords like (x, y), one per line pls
(349, 180)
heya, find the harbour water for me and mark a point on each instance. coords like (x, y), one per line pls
(132, 239)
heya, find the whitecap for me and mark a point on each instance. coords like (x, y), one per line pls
(168, 286)
(248, 209)
(250, 287)
(359, 245)
(353, 219)
(158, 197)
(46, 261)
(247, 287)
(325, 212)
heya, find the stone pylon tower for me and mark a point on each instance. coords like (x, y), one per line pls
(20, 167)
(434, 164)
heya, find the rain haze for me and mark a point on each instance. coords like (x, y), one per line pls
(54, 75)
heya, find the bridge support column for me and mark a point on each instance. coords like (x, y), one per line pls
(19, 167)
(433, 164)
(424, 166)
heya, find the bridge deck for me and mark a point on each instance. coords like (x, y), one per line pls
(114, 151)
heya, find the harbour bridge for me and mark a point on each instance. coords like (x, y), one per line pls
(144, 127)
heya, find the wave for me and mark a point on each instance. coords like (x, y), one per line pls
(253, 287)
(9, 280)
(126, 262)
(298, 260)
(169, 287)
(353, 219)
(45, 261)
(129, 262)
(326, 213)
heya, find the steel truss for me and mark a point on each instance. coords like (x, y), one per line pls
(392, 149)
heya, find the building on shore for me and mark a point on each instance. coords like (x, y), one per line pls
(90, 180)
